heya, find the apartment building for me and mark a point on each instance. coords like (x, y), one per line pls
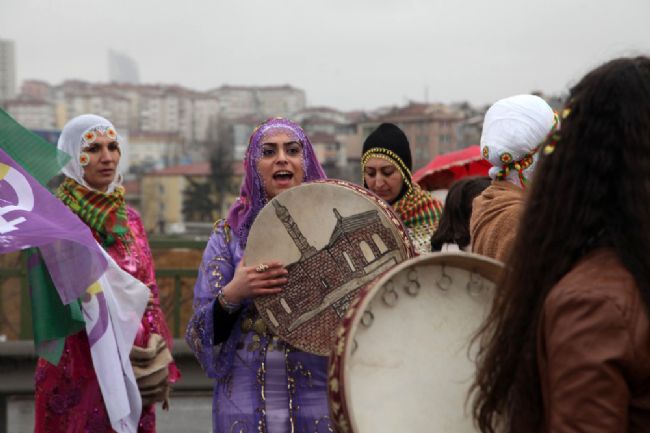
(154, 150)
(432, 129)
(260, 101)
(32, 113)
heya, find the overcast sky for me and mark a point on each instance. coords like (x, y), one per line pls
(348, 54)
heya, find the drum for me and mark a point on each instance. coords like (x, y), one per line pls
(333, 237)
(403, 361)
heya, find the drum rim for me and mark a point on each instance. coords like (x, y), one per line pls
(406, 244)
(343, 417)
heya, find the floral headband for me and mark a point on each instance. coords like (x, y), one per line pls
(89, 137)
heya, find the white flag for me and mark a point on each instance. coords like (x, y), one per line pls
(113, 309)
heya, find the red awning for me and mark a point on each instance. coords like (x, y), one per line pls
(444, 169)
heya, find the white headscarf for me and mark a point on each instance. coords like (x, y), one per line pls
(514, 127)
(71, 141)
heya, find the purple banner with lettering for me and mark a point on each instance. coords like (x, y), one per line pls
(30, 216)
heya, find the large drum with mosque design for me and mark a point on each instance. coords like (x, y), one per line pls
(333, 237)
(403, 359)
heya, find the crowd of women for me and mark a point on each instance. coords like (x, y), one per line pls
(566, 347)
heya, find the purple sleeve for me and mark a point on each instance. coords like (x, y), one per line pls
(216, 270)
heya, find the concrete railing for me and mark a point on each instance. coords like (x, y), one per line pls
(190, 405)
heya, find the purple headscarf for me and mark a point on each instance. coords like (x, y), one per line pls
(252, 196)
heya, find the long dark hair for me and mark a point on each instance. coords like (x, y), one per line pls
(454, 223)
(593, 189)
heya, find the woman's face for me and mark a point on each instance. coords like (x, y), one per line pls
(383, 178)
(103, 158)
(281, 163)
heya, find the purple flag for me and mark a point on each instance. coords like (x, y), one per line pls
(30, 216)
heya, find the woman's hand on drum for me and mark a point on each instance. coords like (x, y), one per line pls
(248, 281)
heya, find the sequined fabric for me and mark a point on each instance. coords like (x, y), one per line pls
(421, 237)
(67, 396)
(261, 384)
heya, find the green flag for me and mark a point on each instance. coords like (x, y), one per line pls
(54, 320)
(42, 160)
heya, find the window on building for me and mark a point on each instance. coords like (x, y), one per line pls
(272, 318)
(349, 260)
(367, 251)
(421, 153)
(381, 246)
(285, 305)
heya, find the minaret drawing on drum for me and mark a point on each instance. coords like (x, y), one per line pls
(299, 239)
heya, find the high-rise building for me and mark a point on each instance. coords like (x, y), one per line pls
(7, 70)
(122, 68)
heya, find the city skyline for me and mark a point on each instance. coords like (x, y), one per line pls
(348, 55)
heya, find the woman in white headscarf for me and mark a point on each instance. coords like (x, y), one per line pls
(68, 396)
(513, 131)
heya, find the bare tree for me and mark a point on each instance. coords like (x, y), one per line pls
(206, 200)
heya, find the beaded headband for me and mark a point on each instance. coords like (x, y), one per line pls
(390, 156)
(554, 135)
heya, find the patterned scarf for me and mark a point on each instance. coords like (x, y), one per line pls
(105, 214)
(418, 208)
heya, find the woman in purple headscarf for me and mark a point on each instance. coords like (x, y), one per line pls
(261, 383)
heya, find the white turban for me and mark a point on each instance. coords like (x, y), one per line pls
(513, 128)
(71, 140)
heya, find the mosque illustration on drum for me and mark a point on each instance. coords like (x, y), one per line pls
(322, 283)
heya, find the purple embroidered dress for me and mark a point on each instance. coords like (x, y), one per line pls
(261, 383)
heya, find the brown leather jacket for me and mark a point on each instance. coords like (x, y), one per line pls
(594, 350)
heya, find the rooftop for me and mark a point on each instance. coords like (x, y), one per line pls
(227, 87)
(194, 169)
(321, 138)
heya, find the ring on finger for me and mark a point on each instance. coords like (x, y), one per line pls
(261, 268)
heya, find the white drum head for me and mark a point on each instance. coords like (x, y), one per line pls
(407, 362)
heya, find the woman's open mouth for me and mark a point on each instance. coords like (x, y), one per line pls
(283, 177)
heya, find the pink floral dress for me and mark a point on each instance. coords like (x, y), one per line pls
(67, 396)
